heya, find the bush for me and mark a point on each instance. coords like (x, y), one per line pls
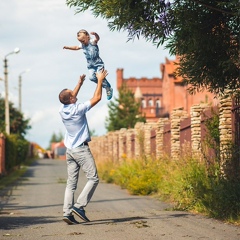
(16, 151)
(106, 171)
(186, 183)
(10, 152)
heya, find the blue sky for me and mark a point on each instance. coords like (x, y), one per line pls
(40, 28)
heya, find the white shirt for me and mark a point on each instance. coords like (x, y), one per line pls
(75, 121)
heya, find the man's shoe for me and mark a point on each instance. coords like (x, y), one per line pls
(109, 93)
(81, 213)
(70, 220)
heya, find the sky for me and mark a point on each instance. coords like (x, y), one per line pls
(40, 28)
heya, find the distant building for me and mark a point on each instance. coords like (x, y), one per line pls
(146, 90)
(176, 95)
(159, 96)
(59, 150)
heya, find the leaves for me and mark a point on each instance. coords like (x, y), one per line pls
(205, 33)
(18, 125)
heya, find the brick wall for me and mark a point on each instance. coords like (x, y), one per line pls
(172, 137)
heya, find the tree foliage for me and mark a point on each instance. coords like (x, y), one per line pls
(206, 37)
(55, 138)
(124, 112)
(18, 125)
(204, 33)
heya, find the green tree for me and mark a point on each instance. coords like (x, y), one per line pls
(56, 137)
(206, 37)
(205, 33)
(124, 112)
(18, 125)
(93, 133)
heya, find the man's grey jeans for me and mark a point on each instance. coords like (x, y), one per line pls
(80, 157)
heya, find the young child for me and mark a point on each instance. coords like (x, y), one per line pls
(94, 62)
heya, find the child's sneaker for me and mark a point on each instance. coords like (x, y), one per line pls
(109, 93)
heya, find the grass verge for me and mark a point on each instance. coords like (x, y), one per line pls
(187, 183)
(14, 175)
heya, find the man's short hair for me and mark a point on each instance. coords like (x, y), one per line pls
(64, 96)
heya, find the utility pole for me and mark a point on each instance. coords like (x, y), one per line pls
(7, 119)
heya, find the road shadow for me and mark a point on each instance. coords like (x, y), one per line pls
(136, 219)
(15, 206)
(114, 220)
(115, 199)
(15, 222)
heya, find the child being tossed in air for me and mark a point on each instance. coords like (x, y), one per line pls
(94, 62)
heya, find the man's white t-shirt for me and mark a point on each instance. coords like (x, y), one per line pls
(75, 121)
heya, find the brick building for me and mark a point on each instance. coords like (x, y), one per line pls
(146, 90)
(159, 96)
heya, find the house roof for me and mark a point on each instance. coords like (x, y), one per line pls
(170, 67)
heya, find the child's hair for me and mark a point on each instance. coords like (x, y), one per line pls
(83, 31)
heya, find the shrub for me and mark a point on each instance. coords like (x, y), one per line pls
(140, 177)
(106, 171)
(187, 183)
(16, 151)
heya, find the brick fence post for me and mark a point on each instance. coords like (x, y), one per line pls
(147, 137)
(139, 139)
(129, 134)
(115, 146)
(176, 117)
(225, 130)
(195, 113)
(159, 137)
(121, 136)
(99, 147)
(2, 154)
(110, 146)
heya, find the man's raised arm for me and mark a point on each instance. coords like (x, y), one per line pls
(98, 92)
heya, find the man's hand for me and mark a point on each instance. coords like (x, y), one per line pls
(81, 79)
(101, 75)
(98, 92)
(78, 86)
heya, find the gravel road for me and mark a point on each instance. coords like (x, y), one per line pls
(32, 210)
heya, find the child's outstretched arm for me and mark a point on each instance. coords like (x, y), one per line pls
(72, 47)
(97, 38)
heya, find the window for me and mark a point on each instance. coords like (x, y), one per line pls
(143, 103)
(158, 103)
(150, 102)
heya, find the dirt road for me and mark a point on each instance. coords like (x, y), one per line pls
(32, 210)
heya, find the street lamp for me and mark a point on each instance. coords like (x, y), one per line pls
(7, 120)
(20, 89)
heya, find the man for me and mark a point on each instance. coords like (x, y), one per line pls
(78, 154)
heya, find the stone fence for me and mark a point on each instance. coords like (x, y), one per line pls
(167, 137)
(179, 135)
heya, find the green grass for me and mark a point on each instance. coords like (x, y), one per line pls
(62, 180)
(187, 183)
(14, 175)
